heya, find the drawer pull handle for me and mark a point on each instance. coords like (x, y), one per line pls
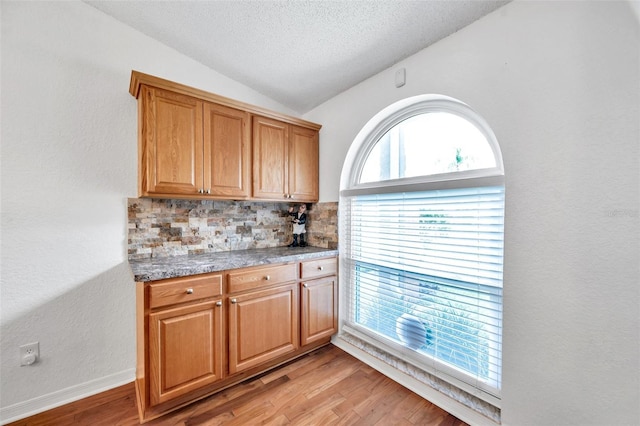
(218, 303)
(189, 291)
(267, 278)
(234, 301)
(320, 268)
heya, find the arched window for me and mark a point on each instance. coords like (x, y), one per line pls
(421, 241)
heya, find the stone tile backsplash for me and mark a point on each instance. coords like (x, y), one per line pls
(162, 228)
(322, 225)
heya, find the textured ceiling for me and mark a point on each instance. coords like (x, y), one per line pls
(299, 53)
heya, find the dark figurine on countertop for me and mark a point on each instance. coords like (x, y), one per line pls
(299, 220)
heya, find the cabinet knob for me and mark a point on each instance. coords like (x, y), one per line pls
(218, 303)
(189, 291)
(234, 301)
(209, 191)
(267, 278)
(305, 285)
(320, 268)
(200, 191)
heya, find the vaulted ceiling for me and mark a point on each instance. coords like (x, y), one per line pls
(298, 52)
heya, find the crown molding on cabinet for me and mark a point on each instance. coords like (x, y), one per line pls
(138, 79)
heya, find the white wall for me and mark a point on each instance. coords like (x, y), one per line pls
(559, 82)
(69, 148)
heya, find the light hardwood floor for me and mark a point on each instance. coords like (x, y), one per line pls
(325, 387)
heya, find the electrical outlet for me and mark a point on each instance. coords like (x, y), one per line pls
(29, 353)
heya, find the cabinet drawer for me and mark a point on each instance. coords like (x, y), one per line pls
(247, 279)
(182, 290)
(318, 268)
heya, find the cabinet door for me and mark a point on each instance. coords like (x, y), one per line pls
(170, 144)
(270, 172)
(227, 152)
(303, 164)
(319, 309)
(185, 350)
(263, 325)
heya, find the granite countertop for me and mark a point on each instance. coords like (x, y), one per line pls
(179, 266)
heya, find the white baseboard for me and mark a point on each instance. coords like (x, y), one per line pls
(448, 404)
(55, 399)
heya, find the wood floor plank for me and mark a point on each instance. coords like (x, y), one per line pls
(431, 415)
(65, 415)
(311, 378)
(300, 366)
(356, 388)
(380, 404)
(281, 420)
(316, 361)
(252, 413)
(231, 404)
(382, 390)
(318, 418)
(332, 387)
(314, 409)
(285, 399)
(330, 379)
(355, 381)
(400, 412)
(346, 419)
(219, 420)
(393, 421)
(326, 387)
(250, 386)
(352, 400)
(121, 411)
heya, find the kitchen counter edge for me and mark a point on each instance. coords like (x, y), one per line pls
(154, 269)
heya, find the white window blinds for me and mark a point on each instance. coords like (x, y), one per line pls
(424, 271)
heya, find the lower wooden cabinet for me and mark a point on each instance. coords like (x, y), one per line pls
(319, 306)
(262, 326)
(185, 349)
(198, 335)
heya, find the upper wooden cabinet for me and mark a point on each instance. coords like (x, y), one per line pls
(285, 161)
(304, 159)
(192, 148)
(194, 144)
(170, 148)
(227, 152)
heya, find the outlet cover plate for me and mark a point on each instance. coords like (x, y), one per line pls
(29, 349)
